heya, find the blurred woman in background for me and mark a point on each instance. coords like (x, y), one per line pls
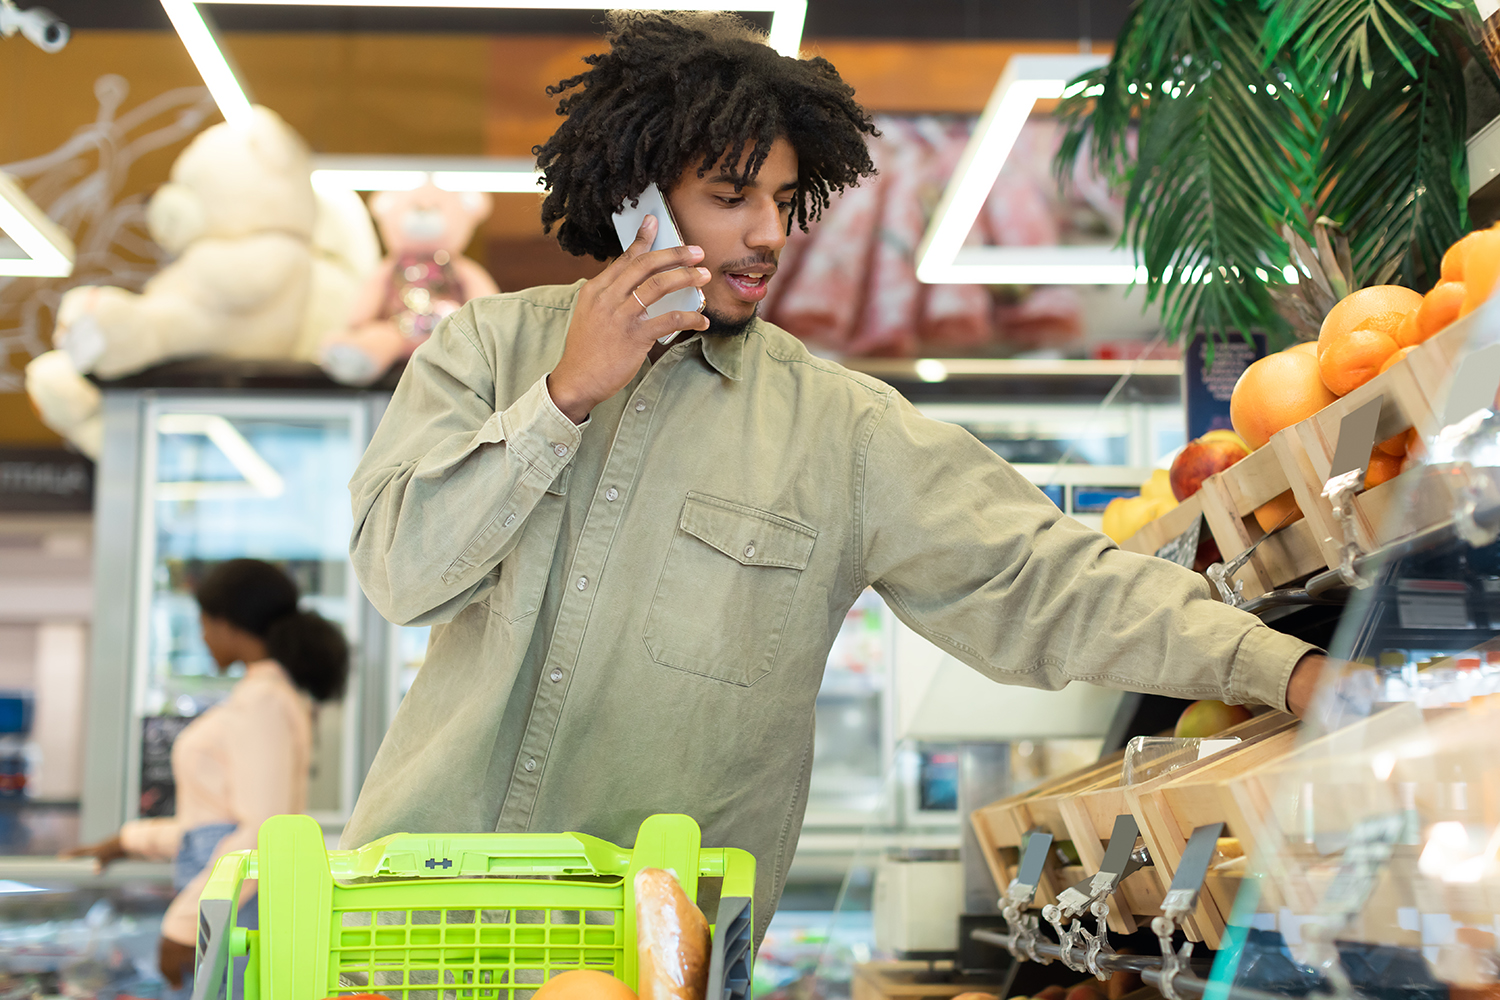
(248, 757)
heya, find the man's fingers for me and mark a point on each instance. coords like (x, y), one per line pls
(644, 237)
(637, 270)
(674, 322)
(658, 286)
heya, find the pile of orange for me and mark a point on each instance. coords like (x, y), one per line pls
(1367, 333)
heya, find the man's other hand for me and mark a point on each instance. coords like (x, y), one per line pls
(175, 960)
(1303, 685)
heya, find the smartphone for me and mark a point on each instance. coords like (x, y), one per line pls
(628, 225)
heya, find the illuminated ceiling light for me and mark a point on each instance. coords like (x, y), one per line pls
(514, 175)
(787, 17)
(203, 49)
(262, 480)
(931, 370)
(942, 257)
(49, 252)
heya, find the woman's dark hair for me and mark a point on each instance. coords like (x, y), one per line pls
(260, 599)
(675, 89)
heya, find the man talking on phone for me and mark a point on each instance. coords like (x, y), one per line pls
(635, 556)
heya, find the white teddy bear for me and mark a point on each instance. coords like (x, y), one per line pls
(264, 269)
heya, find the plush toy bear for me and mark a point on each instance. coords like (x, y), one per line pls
(264, 269)
(423, 278)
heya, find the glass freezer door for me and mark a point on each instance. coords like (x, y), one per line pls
(265, 479)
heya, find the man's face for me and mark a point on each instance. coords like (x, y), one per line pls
(740, 230)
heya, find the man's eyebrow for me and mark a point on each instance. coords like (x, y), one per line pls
(739, 181)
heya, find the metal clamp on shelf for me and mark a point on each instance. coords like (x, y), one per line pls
(1340, 492)
(1179, 903)
(1022, 939)
(1121, 859)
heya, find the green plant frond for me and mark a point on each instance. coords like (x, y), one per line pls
(1328, 33)
(1393, 171)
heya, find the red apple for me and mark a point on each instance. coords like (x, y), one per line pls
(1213, 452)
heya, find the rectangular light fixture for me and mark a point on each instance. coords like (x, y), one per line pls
(942, 257)
(513, 175)
(48, 249)
(787, 17)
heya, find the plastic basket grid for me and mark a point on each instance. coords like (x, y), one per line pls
(473, 954)
(452, 917)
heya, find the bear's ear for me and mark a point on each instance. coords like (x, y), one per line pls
(175, 217)
(478, 205)
(273, 141)
(383, 203)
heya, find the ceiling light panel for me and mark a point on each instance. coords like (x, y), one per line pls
(942, 257)
(48, 249)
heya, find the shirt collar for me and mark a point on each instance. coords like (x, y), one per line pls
(726, 354)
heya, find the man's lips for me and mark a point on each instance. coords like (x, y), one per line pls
(750, 282)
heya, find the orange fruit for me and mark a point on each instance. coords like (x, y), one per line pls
(1481, 268)
(1353, 357)
(1268, 515)
(584, 984)
(1276, 392)
(1306, 347)
(1379, 307)
(1453, 260)
(1406, 332)
(1395, 358)
(1439, 308)
(1383, 468)
(1394, 445)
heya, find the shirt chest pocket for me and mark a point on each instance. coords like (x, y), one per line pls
(726, 590)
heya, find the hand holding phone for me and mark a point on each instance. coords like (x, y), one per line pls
(610, 333)
(628, 223)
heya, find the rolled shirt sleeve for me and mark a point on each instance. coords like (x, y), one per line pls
(975, 558)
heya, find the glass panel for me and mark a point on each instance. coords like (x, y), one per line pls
(270, 483)
(850, 756)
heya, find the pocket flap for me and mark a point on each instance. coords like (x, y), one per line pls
(749, 536)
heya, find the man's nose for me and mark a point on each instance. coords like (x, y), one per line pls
(768, 229)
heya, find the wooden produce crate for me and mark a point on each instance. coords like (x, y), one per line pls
(1167, 816)
(1001, 826)
(1090, 818)
(1299, 458)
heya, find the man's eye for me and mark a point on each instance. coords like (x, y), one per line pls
(730, 201)
(783, 206)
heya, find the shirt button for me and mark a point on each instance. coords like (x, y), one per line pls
(583, 583)
(639, 407)
(611, 494)
(750, 551)
(559, 450)
(556, 675)
(531, 763)
(510, 520)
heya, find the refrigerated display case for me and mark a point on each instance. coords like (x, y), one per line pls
(188, 478)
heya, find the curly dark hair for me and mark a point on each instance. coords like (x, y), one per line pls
(679, 88)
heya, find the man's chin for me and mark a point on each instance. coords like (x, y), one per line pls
(720, 325)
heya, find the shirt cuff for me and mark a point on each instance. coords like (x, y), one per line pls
(537, 430)
(1263, 667)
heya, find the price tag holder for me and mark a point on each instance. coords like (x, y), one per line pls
(1183, 549)
(1121, 843)
(1474, 385)
(1369, 848)
(1356, 438)
(1033, 859)
(1182, 896)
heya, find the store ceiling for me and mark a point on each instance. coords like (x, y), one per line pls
(978, 19)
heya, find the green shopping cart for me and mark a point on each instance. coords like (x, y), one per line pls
(456, 917)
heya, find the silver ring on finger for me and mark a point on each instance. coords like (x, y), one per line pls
(637, 298)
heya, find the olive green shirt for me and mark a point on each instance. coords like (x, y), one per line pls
(632, 616)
